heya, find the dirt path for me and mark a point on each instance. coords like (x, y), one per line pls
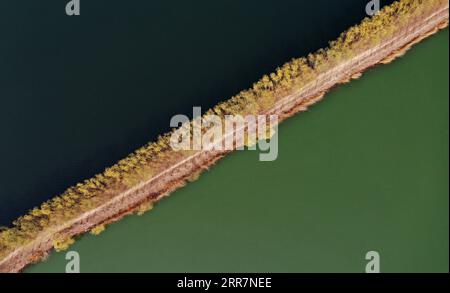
(176, 175)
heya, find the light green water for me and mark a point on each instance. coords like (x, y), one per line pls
(366, 169)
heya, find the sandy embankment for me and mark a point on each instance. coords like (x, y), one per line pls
(175, 175)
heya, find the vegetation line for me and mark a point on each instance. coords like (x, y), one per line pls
(135, 183)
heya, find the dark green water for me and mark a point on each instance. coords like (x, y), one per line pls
(79, 93)
(366, 169)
